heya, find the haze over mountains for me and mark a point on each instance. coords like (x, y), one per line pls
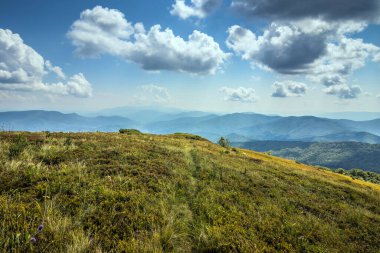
(238, 127)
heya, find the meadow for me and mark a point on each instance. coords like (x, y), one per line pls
(133, 192)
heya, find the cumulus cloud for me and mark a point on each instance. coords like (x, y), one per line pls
(241, 94)
(341, 60)
(285, 49)
(344, 91)
(316, 49)
(368, 10)
(55, 69)
(376, 58)
(23, 69)
(343, 57)
(100, 30)
(106, 31)
(289, 89)
(312, 38)
(197, 8)
(299, 49)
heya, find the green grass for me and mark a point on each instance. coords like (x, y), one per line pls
(111, 192)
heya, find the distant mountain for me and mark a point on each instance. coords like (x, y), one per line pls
(347, 136)
(211, 125)
(236, 126)
(347, 155)
(250, 126)
(357, 116)
(370, 126)
(55, 121)
(149, 114)
(294, 128)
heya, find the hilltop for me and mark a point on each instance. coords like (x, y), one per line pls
(133, 192)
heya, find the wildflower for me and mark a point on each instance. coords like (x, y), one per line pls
(40, 227)
(33, 240)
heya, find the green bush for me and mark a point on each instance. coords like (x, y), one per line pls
(129, 131)
(191, 136)
(340, 171)
(363, 175)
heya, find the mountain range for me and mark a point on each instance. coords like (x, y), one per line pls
(238, 127)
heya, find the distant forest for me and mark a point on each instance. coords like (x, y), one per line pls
(346, 155)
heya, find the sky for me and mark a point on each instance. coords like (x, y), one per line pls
(286, 57)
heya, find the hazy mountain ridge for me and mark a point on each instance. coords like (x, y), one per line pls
(357, 116)
(39, 120)
(237, 126)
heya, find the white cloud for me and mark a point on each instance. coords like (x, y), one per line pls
(198, 8)
(285, 49)
(376, 58)
(241, 94)
(106, 31)
(316, 49)
(343, 57)
(100, 30)
(300, 47)
(78, 85)
(57, 70)
(344, 91)
(289, 89)
(378, 96)
(23, 69)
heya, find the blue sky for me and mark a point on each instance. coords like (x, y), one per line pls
(244, 55)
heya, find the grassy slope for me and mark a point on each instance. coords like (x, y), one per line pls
(135, 193)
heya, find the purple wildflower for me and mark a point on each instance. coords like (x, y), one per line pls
(33, 240)
(40, 227)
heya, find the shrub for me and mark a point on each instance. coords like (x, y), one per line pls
(340, 171)
(129, 131)
(191, 136)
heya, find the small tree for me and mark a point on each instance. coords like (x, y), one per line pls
(340, 171)
(224, 142)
